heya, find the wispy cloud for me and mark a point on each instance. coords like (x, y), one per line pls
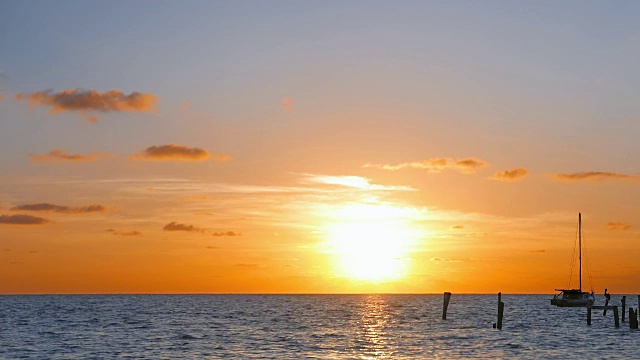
(357, 182)
(174, 226)
(124, 233)
(60, 208)
(510, 175)
(287, 104)
(227, 233)
(88, 102)
(246, 265)
(61, 155)
(435, 165)
(174, 152)
(457, 227)
(594, 176)
(1, 96)
(438, 259)
(22, 219)
(612, 226)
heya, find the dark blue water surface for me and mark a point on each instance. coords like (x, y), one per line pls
(304, 326)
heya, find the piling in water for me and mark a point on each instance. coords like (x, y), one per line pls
(500, 313)
(589, 316)
(615, 316)
(633, 318)
(445, 305)
(624, 300)
(606, 303)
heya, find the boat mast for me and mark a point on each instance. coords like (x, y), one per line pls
(580, 246)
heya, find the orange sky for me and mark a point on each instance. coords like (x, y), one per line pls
(298, 148)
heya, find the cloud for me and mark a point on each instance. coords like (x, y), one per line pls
(124, 233)
(221, 157)
(61, 155)
(594, 176)
(22, 219)
(186, 105)
(227, 233)
(618, 226)
(457, 227)
(287, 104)
(357, 182)
(510, 175)
(213, 247)
(86, 102)
(173, 152)
(436, 165)
(1, 96)
(195, 198)
(60, 208)
(174, 226)
(437, 259)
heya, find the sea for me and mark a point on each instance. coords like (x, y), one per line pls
(375, 326)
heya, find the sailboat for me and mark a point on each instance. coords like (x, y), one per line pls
(575, 297)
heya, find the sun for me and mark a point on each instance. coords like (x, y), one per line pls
(370, 242)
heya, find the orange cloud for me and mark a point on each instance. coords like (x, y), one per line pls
(172, 152)
(436, 165)
(221, 157)
(60, 208)
(89, 101)
(510, 175)
(618, 226)
(457, 227)
(1, 97)
(351, 181)
(227, 233)
(22, 219)
(125, 233)
(174, 226)
(437, 259)
(594, 176)
(287, 104)
(61, 155)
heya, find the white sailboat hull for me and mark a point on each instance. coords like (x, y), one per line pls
(573, 298)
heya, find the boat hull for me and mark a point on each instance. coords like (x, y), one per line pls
(573, 298)
(569, 303)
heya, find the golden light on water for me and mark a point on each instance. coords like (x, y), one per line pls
(371, 242)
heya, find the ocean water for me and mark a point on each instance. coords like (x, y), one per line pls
(305, 326)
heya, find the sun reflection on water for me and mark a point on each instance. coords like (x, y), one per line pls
(372, 339)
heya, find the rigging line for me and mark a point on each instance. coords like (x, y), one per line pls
(573, 256)
(587, 261)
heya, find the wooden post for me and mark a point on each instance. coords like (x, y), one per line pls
(447, 297)
(633, 319)
(615, 316)
(500, 314)
(589, 316)
(624, 309)
(606, 303)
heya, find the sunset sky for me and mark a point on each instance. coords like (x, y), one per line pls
(318, 146)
